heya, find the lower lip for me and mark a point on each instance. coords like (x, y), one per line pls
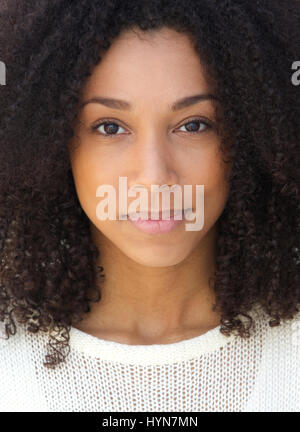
(156, 226)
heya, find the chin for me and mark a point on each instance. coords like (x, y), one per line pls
(157, 257)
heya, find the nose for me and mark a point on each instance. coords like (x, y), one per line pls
(154, 163)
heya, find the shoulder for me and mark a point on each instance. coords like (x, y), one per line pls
(283, 337)
(279, 348)
(277, 385)
(287, 333)
(18, 380)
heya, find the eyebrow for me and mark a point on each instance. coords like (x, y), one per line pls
(126, 106)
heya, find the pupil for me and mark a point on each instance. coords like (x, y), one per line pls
(110, 127)
(193, 123)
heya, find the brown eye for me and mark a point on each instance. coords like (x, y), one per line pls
(109, 128)
(193, 126)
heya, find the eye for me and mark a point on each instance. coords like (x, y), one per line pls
(194, 126)
(109, 128)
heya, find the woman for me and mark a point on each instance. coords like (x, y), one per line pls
(145, 315)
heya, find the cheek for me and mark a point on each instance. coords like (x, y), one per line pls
(87, 178)
(211, 172)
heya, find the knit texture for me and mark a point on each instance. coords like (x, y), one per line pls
(210, 372)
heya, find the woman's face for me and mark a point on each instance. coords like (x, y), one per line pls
(149, 142)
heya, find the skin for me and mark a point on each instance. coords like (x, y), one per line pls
(156, 289)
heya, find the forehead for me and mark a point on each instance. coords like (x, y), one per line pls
(160, 63)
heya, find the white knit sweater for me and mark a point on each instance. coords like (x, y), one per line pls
(210, 372)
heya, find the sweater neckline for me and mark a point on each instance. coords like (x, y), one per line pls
(173, 352)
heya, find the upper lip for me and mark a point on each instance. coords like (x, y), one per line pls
(161, 214)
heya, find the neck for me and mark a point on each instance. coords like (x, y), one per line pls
(153, 304)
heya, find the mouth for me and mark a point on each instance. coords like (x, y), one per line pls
(162, 223)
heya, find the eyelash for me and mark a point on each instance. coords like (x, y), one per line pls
(112, 121)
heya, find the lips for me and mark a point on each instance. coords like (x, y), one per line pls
(156, 226)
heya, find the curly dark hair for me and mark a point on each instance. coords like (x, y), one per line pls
(48, 272)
